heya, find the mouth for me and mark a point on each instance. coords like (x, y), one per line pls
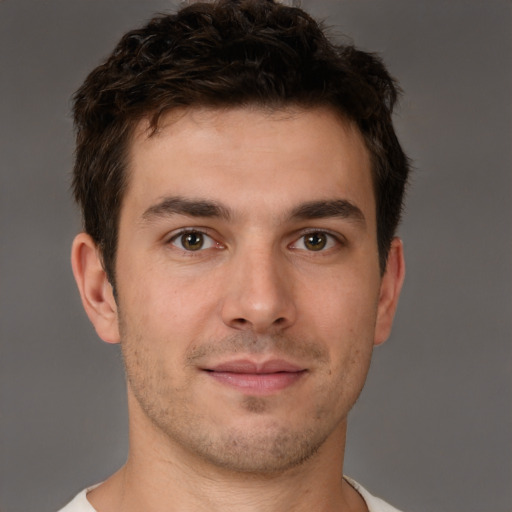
(255, 378)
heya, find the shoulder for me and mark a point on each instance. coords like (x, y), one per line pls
(374, 504)
(79, 503)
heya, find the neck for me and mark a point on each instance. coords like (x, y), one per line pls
(162, 476)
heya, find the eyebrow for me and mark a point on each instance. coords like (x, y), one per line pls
(182, 206)
(340, 208)
(321, 209)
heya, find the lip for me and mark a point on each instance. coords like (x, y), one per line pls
(253, 367)
(256, 378)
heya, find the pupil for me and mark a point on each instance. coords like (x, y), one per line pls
(316, 241)
(192, 241)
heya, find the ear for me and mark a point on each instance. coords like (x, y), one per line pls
(390, 287)
(95, 290)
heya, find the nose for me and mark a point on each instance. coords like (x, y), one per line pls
(258, 295)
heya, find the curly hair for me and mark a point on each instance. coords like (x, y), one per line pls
(228, 53)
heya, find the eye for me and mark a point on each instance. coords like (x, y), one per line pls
(315, 241)
(193, 241)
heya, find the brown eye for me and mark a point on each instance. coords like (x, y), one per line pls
(192, 241)
(315, 241)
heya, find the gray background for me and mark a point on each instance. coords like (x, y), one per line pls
(432, 431)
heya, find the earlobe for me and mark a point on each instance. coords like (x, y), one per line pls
(95, 290)
(391, 285)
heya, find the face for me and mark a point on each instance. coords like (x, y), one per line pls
(249, 295)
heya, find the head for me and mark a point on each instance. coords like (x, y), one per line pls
(241, 183)
(228, 54)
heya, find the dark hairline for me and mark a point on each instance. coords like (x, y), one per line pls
(155, 121)
(133, 84)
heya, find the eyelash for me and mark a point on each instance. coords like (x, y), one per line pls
(331, 241)
(194, 231)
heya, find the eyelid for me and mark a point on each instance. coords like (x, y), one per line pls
(176, 234)
(338, 238)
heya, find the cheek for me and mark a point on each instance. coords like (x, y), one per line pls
(163, 317)
(345, 318)
(345, 307)
(164, 302)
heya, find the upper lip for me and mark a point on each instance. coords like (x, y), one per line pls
(253, 367)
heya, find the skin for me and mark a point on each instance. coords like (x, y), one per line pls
(278, 277)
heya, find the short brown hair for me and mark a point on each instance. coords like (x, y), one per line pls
(228, 53)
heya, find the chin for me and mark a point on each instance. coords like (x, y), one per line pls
(260, 453)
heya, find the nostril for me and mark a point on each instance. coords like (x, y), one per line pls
(240, 323)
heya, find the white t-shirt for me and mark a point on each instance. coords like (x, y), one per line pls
(81, 503)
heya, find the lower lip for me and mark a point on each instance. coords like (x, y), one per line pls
(257, 383)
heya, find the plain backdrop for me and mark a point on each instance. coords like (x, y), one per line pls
(432, 430)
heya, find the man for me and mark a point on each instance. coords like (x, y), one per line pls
(240, 184)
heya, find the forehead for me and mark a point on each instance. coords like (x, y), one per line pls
(250, 156)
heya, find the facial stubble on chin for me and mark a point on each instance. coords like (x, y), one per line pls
(171, 409)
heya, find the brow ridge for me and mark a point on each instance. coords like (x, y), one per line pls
(177, 205)
(322, 209)
(318, 209)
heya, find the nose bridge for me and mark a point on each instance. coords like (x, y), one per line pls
(258, 296)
